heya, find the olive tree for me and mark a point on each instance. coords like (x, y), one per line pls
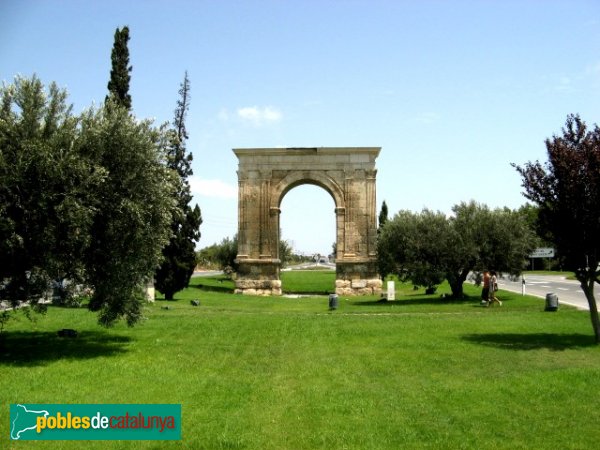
(134, 207)
(46, 190)
(429, 247)
(414, 247)
(499, 239)
(86, 198)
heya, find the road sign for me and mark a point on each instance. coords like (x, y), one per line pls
(544, 252)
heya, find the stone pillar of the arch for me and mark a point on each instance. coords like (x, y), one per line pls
(258, 237)
(356, 262)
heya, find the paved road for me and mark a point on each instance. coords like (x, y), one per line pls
(207, 273)
(568, 292)
(311, 265)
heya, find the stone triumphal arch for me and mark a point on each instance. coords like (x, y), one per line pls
(265, 175)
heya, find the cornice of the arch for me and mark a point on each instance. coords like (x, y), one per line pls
(300, 177)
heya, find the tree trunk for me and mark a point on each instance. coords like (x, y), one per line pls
(457, 288)
(169, 295)
(588, 288)
(456, 283)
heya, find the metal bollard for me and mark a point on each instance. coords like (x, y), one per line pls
(333, 301)
(551, 302)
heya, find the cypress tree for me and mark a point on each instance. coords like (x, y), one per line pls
(383, 216)
(180, 255)
(118, 86)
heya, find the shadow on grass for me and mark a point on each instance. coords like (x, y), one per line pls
(33, 348)
(225, 289)
(308, 293)
(532, 341)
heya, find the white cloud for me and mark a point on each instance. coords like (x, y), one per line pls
(259, 116)
(212, 188)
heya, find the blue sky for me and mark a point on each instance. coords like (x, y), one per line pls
(453, 91)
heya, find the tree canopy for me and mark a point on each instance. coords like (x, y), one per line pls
(413, 246)
(567, 191)
(429, 247)
(46, 210)
(134, 207)
(499, 239)
(88, 198)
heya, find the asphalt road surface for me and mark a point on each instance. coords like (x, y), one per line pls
(311, 265)
(207, 273)
(569, 292)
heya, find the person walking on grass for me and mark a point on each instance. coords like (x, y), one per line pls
(493, 287)
(485, 291)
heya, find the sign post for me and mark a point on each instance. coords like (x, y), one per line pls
(542, 252)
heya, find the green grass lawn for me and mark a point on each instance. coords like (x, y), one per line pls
(282, 373)
(308, 281)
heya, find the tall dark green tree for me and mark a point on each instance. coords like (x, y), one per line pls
(180, 255)
(118, 86)
(383, 216)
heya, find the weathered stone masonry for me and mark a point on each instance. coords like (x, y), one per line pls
(265, 175)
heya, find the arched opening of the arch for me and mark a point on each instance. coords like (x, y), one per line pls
(308, 225)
